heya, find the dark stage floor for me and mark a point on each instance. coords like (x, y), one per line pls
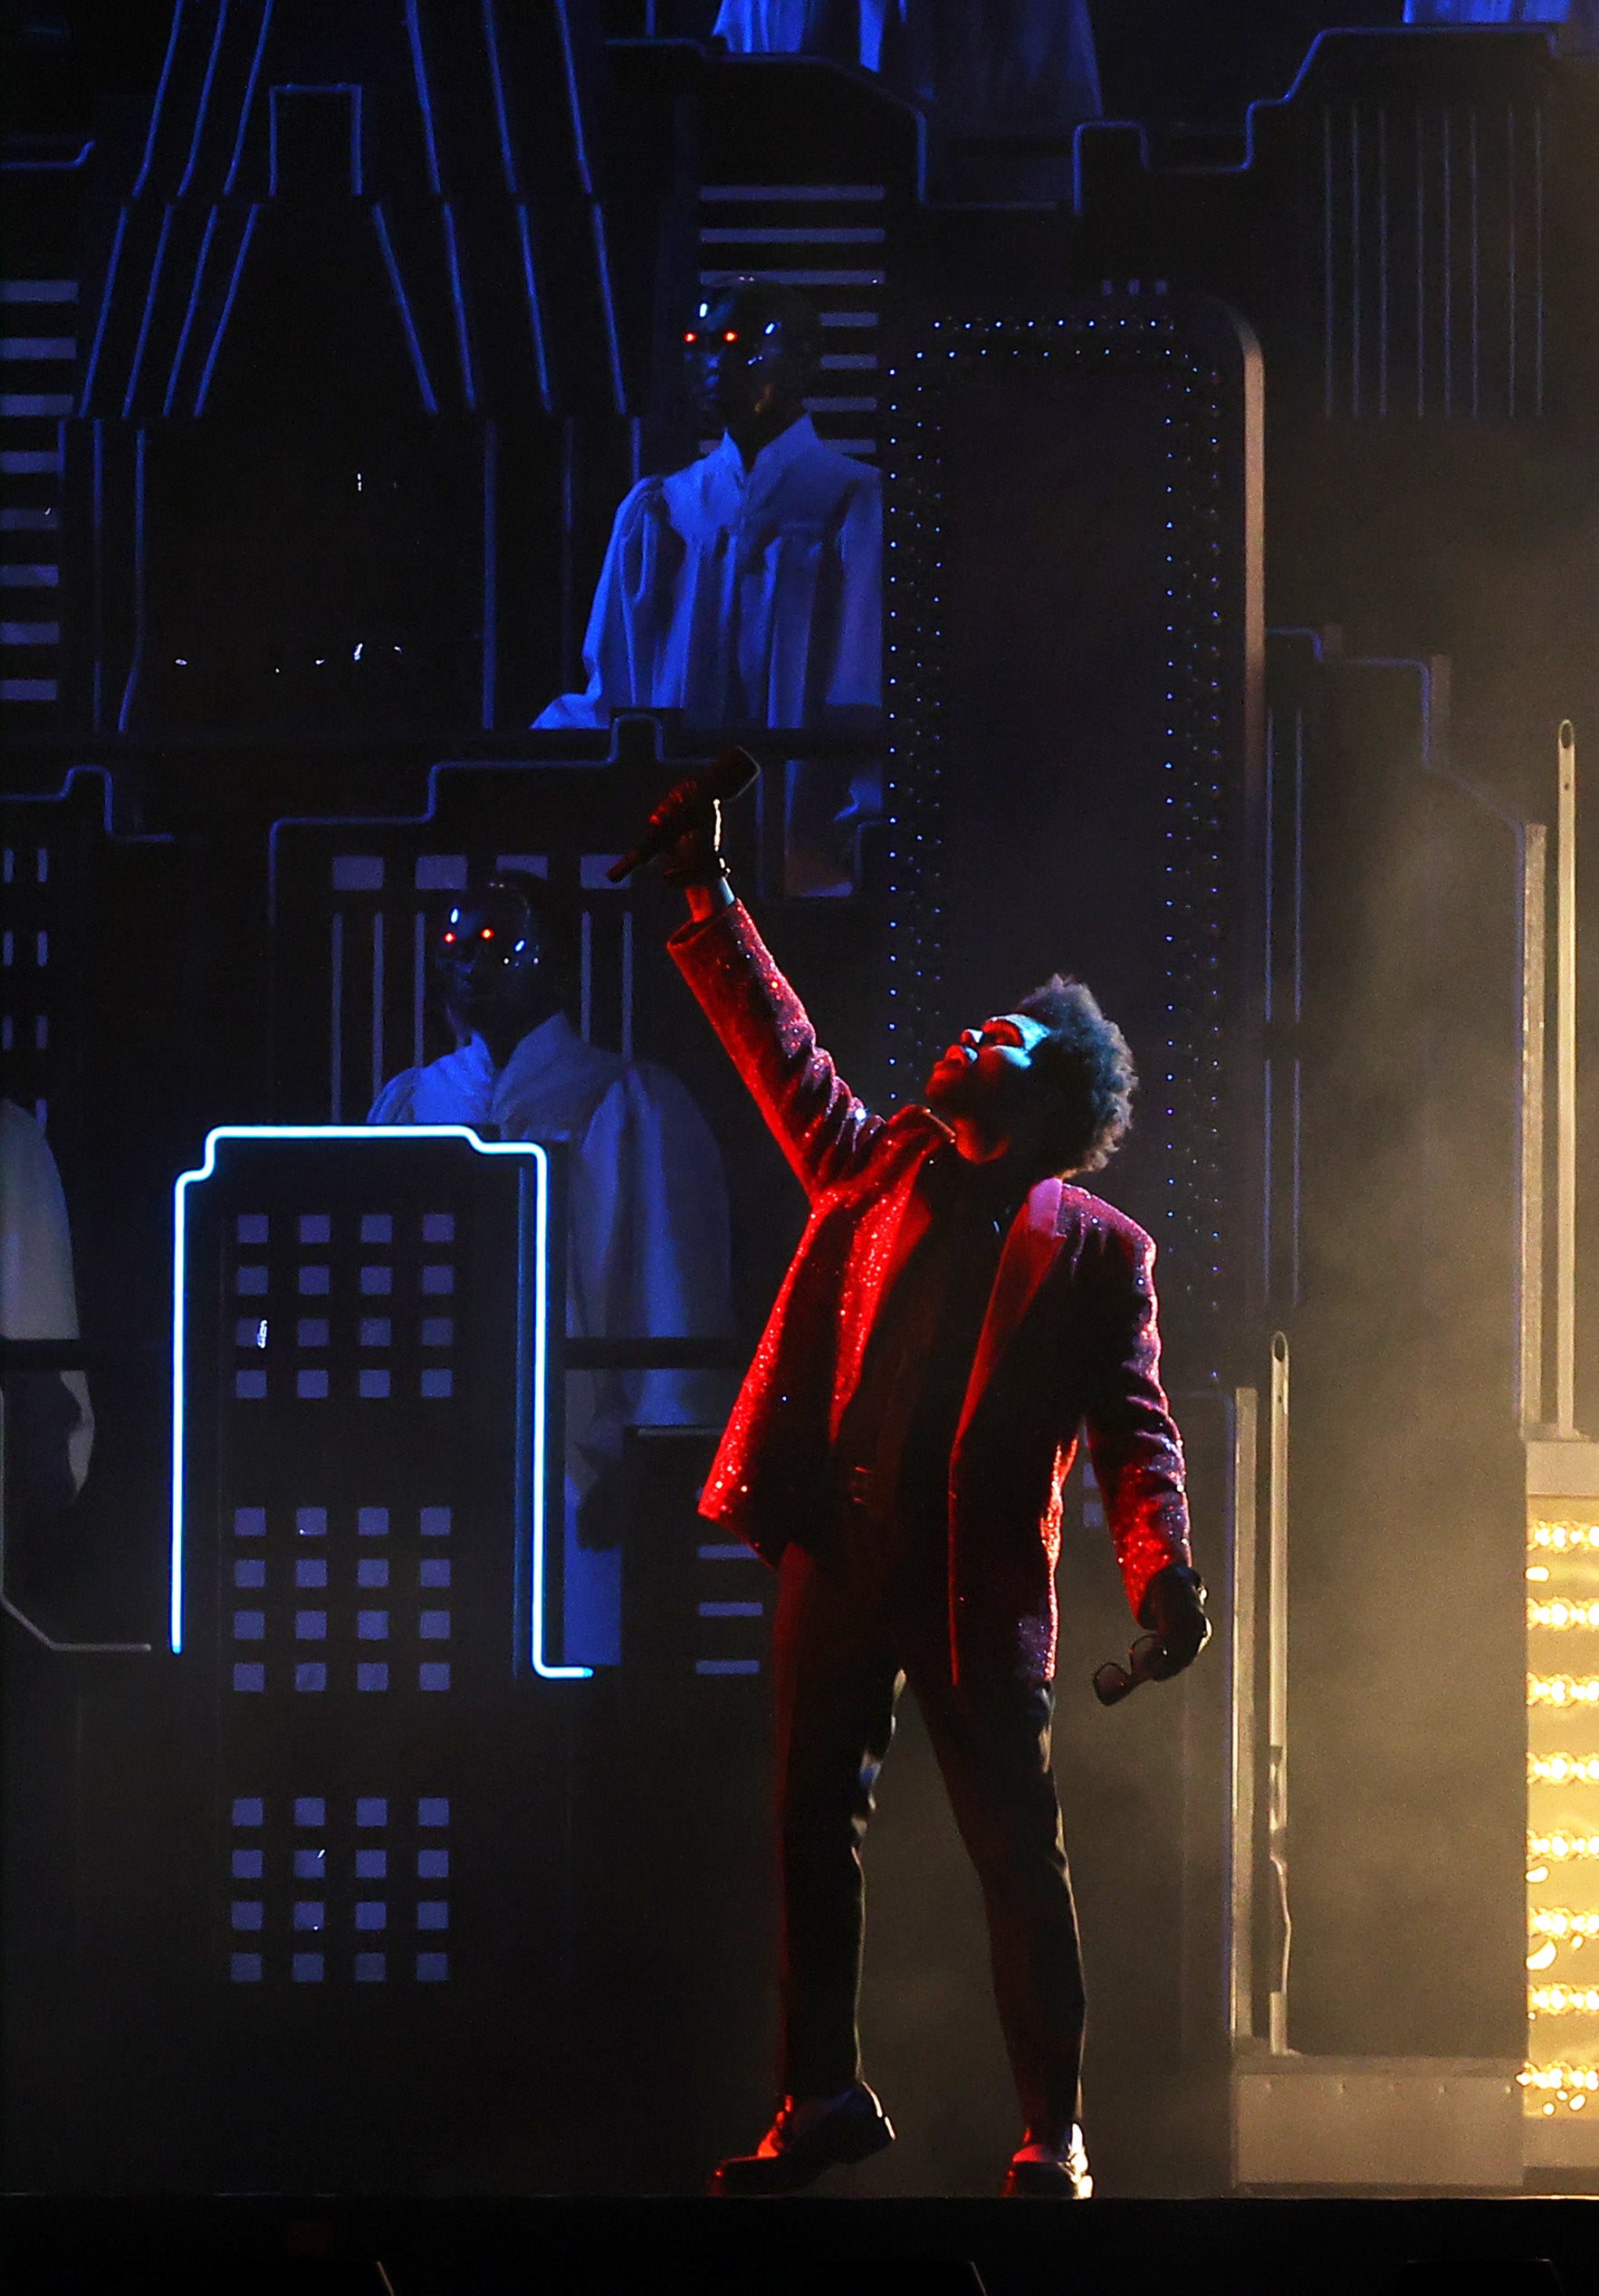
(1300, 2247)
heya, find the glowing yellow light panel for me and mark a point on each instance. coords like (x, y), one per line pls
(1562, 2076)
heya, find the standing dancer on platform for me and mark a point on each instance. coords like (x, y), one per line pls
(954, 1312)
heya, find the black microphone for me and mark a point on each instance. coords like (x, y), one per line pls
(735, 771)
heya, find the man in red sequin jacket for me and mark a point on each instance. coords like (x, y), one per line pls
(956, 1311)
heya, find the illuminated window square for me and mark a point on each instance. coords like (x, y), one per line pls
(315, 1281)
(250, 1387)
(374, 1386)
(371, 1809)
(249, 1626)
(371, 1522)
(372, 1674)
(311, 1570)
(438, 1383)
(433, 1913)
(312, 1331)
(252, 1572)
(310, 1865)
(434, 1570)
(315, 1227)
(250, 1281)
(249, 1332)
(249, 1522)
(371, 1865)
(435, 1522)
(370, 1969)
(435, 1626)
(433, 1676)
(310, 1913)
(432, 1968)
(248, 1913)
(311, 1387)
(310, 1626)
(311, 1809)
(252, 1228)
(311, 1522)
(371, 1913)
(249, 1809)
(377, 1227)
(376, 1330)
(371, 1626)
(438, 1280)
(311, 1674)
(248, 1865)
(376, 1283)
(438, 1331)
(373, 1570)
(306, 1968)
(244, 1968)
(438, 1227)
(432, 1865)
(250, 1677)
(434, 1809)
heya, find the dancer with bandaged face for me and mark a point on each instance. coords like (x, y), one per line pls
(746, 588)
(957, 1310)
(647, 1224)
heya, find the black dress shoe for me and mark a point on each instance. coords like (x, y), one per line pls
(810, 2135)
(1060, 2177)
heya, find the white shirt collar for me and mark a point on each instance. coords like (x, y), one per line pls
(773, 459)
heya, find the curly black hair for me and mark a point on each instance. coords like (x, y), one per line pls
(1088, 1070)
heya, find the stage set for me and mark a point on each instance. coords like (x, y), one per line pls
(1086, 517)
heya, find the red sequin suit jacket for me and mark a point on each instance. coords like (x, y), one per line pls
(1069, 1340)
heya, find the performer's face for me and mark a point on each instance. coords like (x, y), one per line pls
(987, 1074)
(490, 962)
(742, 365)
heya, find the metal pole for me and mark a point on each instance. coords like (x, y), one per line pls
(1240, 1702)
(1566, 1088)
(1534, 1093)
(1277, 1686)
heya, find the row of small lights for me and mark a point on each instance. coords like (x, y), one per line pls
(1564, 1538)
(1572, 2085)
(1563, 1690)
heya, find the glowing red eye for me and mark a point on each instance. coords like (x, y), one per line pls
(488, 932)
(730, 337)
(691, 337)
(449, 941)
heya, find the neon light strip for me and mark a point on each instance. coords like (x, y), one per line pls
(249, 98)
(538, 1508)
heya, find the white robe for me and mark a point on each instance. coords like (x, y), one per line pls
(976, 67)
(646, 1249)
(1577, 21)
(37, 1296)
(742, 598)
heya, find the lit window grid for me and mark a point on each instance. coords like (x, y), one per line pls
(302, 1909)
(533, 1444)
(413, 1583)
(1563, 1813)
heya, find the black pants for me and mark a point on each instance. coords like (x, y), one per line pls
(846, 1643)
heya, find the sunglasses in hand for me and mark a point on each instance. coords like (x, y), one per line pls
(1113, 1682)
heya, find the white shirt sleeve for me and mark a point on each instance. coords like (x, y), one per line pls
(38, 1299)
(631, 611)
(650, 1253)
(855, 679)
(396, 1102)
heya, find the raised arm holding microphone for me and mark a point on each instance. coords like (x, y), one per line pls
(956, 1310)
